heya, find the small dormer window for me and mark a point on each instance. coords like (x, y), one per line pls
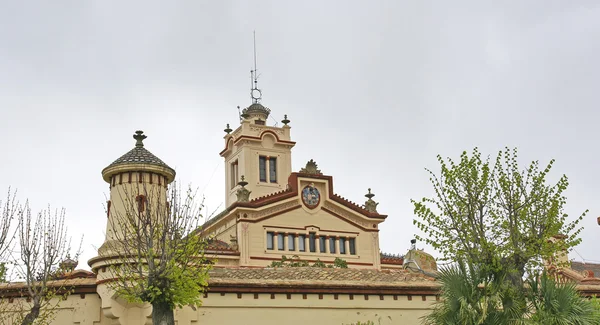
(259, 122)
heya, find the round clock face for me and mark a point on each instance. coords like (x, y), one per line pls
(311, 196)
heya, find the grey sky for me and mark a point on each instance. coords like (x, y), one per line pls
(374, 90)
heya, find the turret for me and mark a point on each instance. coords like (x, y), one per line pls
(135, 179)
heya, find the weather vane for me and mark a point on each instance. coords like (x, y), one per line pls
(255, 93)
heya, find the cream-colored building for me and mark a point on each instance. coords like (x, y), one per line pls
(271, 211)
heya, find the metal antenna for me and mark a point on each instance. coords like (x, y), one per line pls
(255, 93)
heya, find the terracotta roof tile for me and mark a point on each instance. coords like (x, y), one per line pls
(582, 266)
(303, 275)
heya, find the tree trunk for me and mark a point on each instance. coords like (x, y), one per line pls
(32, 315)
(162, 314)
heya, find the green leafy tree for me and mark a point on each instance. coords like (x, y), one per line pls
(161, 250)
(494, 214)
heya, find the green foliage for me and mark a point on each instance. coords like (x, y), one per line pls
(559, 303)
(295, 261)
(174, 286)
(340, 263)
(159, 248)
(495, 215)
(472, 295)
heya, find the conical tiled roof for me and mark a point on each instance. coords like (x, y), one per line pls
(139, 155)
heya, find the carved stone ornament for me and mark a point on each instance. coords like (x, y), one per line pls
(243, 194)
(311, 168)
(370, 205)
(234, 242)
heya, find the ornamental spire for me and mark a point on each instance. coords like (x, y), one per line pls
(370, 205)
(139, 137)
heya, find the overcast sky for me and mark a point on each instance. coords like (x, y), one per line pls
(374, 89)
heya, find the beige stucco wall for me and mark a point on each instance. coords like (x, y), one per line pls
(228, 308)
(126, 184)
(76, 309)
(304, 221)
(292, 218)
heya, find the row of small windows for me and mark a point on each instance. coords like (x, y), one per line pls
(312, 242)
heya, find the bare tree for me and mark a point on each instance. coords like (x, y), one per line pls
(157, 250)
(9, 209)
(8, 212)
(43, 245)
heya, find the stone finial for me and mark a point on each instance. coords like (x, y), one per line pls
(228, 129)
(370, 205)
(139, 137)
(68, 265)
(311, 168)
(243, 194)
(285, 120)
(244, 114)
(234, 242)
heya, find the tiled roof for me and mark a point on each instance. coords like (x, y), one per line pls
(391, 259)
(582, 266)
(139, 155)
(218, 245)
(317, 275)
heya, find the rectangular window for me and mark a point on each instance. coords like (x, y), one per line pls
(273, 170)
(332, 245)
(269, 240)
(322, 244)
(342, 245)
(262, 168)
(352, 246)
(234, 174)
(291, 243)
(280, 241)
(301, 243)
(311, 242)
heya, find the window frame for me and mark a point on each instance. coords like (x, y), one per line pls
(352, 245)
(280, 240)
(270, 237)
(262, 168)
(302, 243)
(272, 162)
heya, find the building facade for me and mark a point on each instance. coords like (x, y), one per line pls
(271, 211)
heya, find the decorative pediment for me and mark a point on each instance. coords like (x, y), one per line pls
(311, 168)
